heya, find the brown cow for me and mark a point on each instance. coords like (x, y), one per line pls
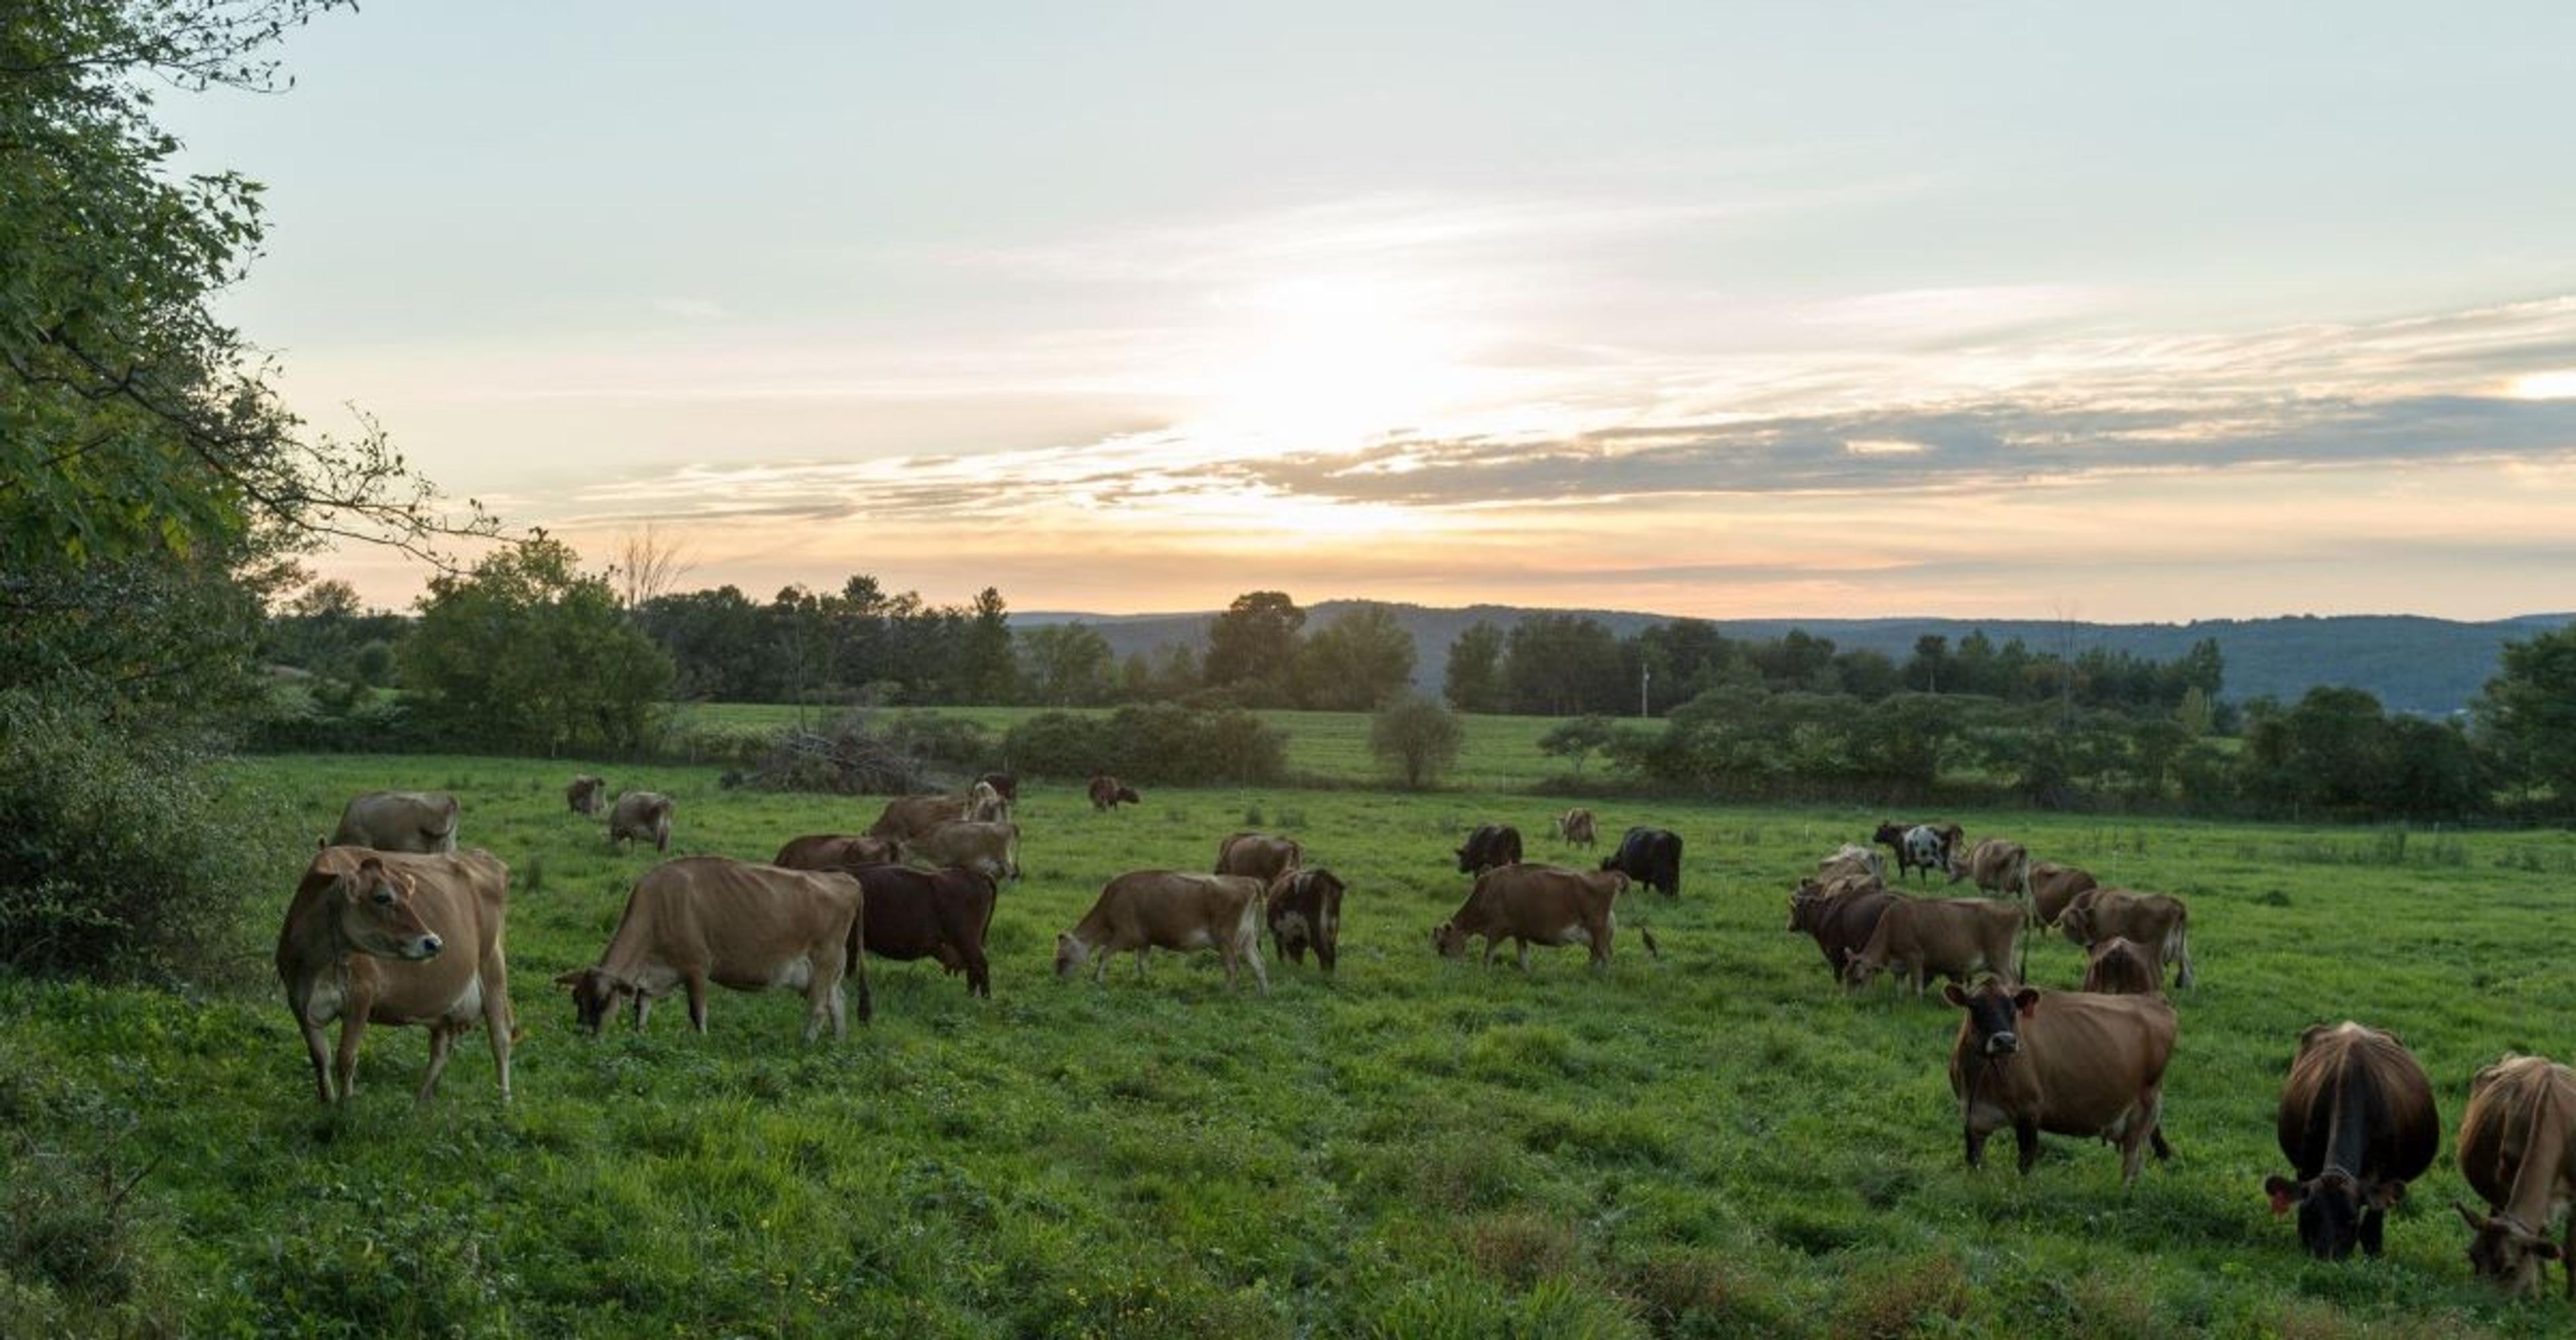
(1259, 855)
(942, 915)
(908, 817)
(1108, 793)
(1950, 936)
(834, 851)
(638, 815)
(2053, 886)
(1852, 859)
(1305, 910)
(1575, 828)
(2518, 1152)
(413, 821)
(2063, 1062)
(586, 794)
(746, 927)
(985, 805)
(1529, 904)
(1997, 866)
(387, 938)
(1144, 910)
(2357, 1124)
(2123, 967)
(993, 849)
(2156, 919)
(1841, 915)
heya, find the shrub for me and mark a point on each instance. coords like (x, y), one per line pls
(1417, 738)
(1161, 744)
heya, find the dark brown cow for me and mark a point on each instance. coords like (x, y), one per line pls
(2053, 886)
(413, 821)
(1144, 910)
(745, 927)
(833, 851)
(585, 795)
(2063, 1062)
(641, 814)
(1305, 910)
(1950, 936)
(377, 937)
(1488, 846)
(1259, 855)
(1108, 793)
(2518, 1152)
(2357, 1123)
(935, 914)
(2157, 919)
(1842, 916)
(1541, 905)
(2121, 967)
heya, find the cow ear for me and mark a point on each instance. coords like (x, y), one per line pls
(1949, 990)
(2284, 1193)
(2026, 1000)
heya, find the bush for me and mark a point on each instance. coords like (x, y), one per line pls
(118, 854)
(1157, 745)
(1417, 738)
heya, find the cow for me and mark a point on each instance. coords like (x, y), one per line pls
(1259, 855)
(1108, 793)
(1650, 856)
(833, 851)
(1305, 911)
(586, 794)
(2357, 1123)
(2063, 1062)
(2159, 920)
(993, 849)
(1144, 910)
(1852, 859)
(984, 805)
(746, 927)
(414, 821)
(1842, 916)
(1542, 905)
(2053, 886)
(908, 817)
(944, 915)
(1004, 784)
(641, 814)
(1997, 866)
(2518, 1152)
(375, 937)
(2123, 967)
(1950, 936)
(1919, 846)
(1575, 828)
(1490, 845)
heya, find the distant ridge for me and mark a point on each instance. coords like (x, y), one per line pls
(2410, 662)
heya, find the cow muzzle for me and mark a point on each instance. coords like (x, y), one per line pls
(426, 946)
(2003, 1044)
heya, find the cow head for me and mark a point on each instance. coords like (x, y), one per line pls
(596, 994)
(377, 915)
(1890, 834)
(1994, 1015)
(2078, 920)
(2336, 1212)
(2506, 1253)
(1806, 905)
(1070, 954)
(1448, 941)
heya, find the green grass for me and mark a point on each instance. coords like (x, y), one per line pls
(1716, 1143)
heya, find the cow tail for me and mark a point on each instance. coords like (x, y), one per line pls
(2182, 956)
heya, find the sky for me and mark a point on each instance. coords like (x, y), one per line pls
(2104, 312)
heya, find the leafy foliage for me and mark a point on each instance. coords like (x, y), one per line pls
(1417, 738)
(1354, 663)
(2528, 714)
(1162, 744)
(527, 652)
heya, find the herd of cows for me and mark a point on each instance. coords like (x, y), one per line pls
(379, 928)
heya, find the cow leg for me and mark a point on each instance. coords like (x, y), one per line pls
(1260, 975)
(2156, 1140)
(1141, 952)
(643, 1010)
(2026, 1135)
(2133, 1155)
(1976, 1144)
(979, 975)
(858, 970)
(698, 1001)
(317, 1047)
(1521, 946)
(2373, 1232)
(442, 1042)
(353, 1026)
(496, 1018)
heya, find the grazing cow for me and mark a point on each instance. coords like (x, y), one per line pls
(2518, 1152)
(1305, 910)
(1919, 846)
(1652, 857)
(376, 937)
(1259, 855)
(2123, 967)
(2357, 1123)
(1489, 846)
(2063, 1062)
(1144, 910)
(638, 815)
(1004, 784)
(934, 914)
(413, 821)
(746, 927)
(1852, 859)
(993, 849)
(2053, 886)
(984, 805)
(2156, 919)
(1950, 936)
(1997, 866)
(1108, 793)
(1842, 916)
(908, 817)
(1542, 905)
(586, 794)
(1575, 828)
(834, 851)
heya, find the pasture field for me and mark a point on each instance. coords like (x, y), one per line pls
(1716, 1142)
(1500, 752)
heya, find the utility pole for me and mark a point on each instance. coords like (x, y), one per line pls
(1645, 676)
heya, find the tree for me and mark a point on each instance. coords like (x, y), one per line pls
(1577, 739)
(1416, 737)
(2527, 715)
(1474, 680)
(648, 564)
(986, 669)
(1355, 662)
(1562, 664)
(1067, 664)
(529, 653)
(1254, 642)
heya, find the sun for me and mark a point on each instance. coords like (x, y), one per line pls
(1323, 362)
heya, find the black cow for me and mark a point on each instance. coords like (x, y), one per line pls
(1489, 846)
(941, 914)
(1004, 784)
(1652, 857)
(2357, 1122)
